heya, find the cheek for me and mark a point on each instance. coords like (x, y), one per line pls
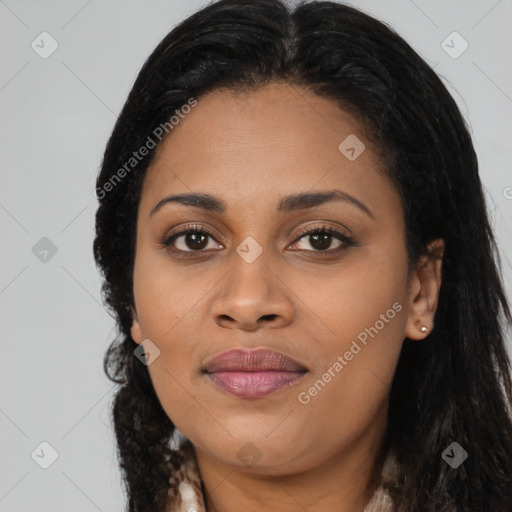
(165, 296)
(170, 310)
(362, 316)
(341, 303)
(346, 396)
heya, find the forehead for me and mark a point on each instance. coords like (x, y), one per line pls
(263, 144)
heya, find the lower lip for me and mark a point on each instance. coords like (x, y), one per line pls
(253, 384)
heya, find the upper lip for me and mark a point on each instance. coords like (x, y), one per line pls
(252, 360)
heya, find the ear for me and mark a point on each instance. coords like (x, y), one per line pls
(135, 329)
(424, 287)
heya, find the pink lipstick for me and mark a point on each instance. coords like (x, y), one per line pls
(253, 373)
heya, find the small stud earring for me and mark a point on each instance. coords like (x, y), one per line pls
(422, 328)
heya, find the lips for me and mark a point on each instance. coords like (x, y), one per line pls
(258, 360)
(253, 373)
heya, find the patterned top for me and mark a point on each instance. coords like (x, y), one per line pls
(186, 493)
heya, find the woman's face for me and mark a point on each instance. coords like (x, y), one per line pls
(338, 305)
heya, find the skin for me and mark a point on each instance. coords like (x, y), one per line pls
(250, 150)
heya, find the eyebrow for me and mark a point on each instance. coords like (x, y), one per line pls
(287, 204)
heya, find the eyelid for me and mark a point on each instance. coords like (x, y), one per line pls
(193, 227)
(319, 226)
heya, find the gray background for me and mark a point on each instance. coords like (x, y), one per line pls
(57, 114)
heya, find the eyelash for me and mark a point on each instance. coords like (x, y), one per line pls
(320, 229)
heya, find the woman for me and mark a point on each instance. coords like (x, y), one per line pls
(295, 245)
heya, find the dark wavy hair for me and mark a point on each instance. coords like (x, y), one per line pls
(453, 386)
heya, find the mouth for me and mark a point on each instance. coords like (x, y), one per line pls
(253, 373)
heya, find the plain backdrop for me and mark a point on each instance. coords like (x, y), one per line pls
(57, 114)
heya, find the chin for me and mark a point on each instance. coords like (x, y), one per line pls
(277, 453)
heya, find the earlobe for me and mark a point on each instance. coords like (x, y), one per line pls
(135, 329)
(424, 290)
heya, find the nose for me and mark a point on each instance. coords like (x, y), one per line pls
(253, 297)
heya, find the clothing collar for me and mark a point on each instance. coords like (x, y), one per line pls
(186, 490)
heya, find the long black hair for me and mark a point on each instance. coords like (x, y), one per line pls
(455, 386)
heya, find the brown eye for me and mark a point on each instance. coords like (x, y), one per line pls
(321, 239)
(192, 239)
(195, 241)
